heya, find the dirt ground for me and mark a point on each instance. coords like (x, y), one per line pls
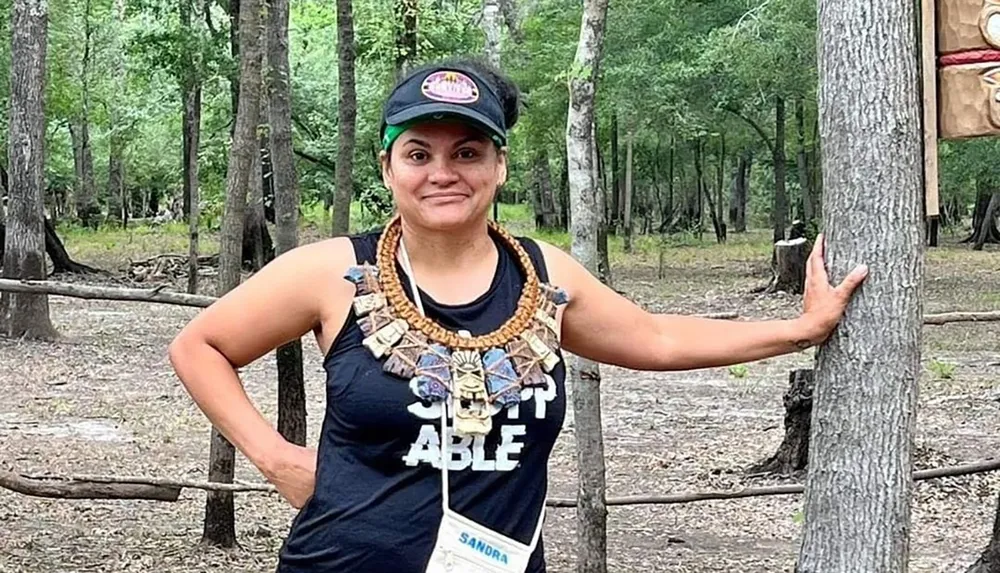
(104, 400)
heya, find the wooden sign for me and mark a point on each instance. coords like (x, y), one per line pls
(968, 68)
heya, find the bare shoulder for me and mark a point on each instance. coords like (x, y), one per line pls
(563, 269)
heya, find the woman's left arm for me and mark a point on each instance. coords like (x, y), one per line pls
(604, 326)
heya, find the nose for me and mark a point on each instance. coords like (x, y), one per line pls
(443, 172)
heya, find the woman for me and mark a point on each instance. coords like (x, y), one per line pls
(479, 348)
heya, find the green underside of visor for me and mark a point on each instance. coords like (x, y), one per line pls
(392, 133)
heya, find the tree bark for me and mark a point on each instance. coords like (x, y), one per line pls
(627, 200)
(989, 561)
(291, 381)
(191, 105)
(802, 165)
(26, 315)
(793, 453)
(790, 266)
(720, 212)
(860, 472)
(406, 35)
(616, 184)
(779, 214)
(491, 32)
(347, 117)
(116, 139)
(987, 229)
(220, 528)
(585, 376)
(87, 210)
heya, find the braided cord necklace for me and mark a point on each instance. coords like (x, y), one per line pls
(478, 373)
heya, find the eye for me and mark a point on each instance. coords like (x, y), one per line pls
(467, 153)
(418, 156)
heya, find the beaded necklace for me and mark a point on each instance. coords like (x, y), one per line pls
(483, 374)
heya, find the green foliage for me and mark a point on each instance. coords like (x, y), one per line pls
(738, 371)
(942, 370)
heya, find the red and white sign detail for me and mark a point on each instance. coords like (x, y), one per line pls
(450, 87)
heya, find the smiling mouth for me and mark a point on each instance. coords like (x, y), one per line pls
(447, 196)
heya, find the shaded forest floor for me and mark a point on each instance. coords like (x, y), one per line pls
(104, 400)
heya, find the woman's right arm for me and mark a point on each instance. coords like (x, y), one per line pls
(301, 291)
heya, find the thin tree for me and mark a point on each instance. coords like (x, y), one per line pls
(291, 383)
(191, 105)
(86, 199)
(116, 139)
(347, 112)
(858, 487)
(220, 527)
(585, 374)
(25, 315)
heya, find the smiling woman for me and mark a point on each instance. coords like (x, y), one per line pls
(443, 338)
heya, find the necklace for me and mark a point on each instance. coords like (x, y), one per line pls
(482, 374)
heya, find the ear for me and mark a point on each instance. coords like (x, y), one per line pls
(501, 166)
(383, 158)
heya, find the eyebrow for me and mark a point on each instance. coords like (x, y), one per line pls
(477, 138)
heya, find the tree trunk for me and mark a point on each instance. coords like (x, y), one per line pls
(720, 213)
(255, 227)
(802, 165)
(987, 229)
(585, 376)
(718, 226)
(603, 261)
(406, 35)
(61, 261)
(779, 215)
(989, 561)
(347, 112)
(699, 186)
(627, 200)
(564, 194)
(616, 185)
(220, 528)
(793, 453)
(86, 200)
(491, 32)
(191, 103)
(667, 217)
(291, 383)
(26, 315)
(860, 473)
(116, 139)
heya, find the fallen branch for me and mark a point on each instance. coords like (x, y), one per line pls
(105, 293)
(950, 317)
(87, 490)
(116, 487)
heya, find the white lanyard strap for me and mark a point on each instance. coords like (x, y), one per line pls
(445, 434)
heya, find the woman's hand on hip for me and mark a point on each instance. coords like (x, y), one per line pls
(293, 471)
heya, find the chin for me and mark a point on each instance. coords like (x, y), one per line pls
(451, 215)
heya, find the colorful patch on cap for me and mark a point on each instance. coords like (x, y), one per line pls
(450, 87)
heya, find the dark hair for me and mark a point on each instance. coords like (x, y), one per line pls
(505, 88)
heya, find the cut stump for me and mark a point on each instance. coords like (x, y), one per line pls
(793, 453)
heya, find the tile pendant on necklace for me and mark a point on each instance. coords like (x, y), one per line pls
(471, 402)
(433, 374)
(501, 379)
(380, 342)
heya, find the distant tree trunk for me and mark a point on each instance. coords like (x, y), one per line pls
(116, 139)
(989, 561)
(627, 199)
(491, 32)
(603, 261)
(802, 165)
(857, 501)
(191, 102)
(667, 216)
(987, 229)
(406, 35)
(347, 112)
(699, 183)
(545, 213)
(564, 194)
(26, 315)
(779, 215)
(86, 200)
(585, 375)
(291, 384)
(616, 184)
(255, 253)
(738, 194)
(220, 526)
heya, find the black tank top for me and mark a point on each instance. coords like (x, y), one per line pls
(377, 503)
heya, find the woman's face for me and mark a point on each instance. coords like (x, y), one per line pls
(443, 174)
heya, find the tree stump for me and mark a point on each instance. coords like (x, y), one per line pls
(790, 266)
(793, 453)
(989, 561)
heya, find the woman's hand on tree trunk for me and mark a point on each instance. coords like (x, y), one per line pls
(823, 303)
